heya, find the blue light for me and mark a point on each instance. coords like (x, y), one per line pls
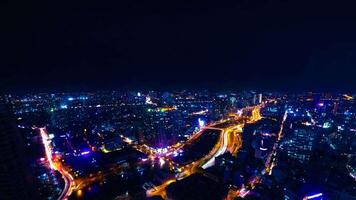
(314, 196)
(201, 123)
(63, 106)
(70, 98)
(263, 149)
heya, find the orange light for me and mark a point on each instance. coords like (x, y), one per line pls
(79, 193)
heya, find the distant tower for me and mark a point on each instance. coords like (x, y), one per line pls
(260, 98)
(261, 152)
(254, 99)
(336, 105)
(13, 176)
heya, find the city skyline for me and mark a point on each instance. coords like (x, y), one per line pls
(170, 145)
(186, 100)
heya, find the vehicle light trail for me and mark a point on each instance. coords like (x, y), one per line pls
(48, 150)
(67, 177)
(313, 196)
(269, 164)
(220, 151)
(227, 142)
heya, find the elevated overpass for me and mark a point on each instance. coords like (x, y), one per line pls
(229, 141)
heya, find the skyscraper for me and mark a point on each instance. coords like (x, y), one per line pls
(13, 178)
(300, 144)
(260, 98)
(257, 98)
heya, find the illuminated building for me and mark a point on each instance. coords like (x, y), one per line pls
(260, 98)
(257, 98)
(13, 182)
(154, 137)
(300, 145)
(261, 151)
(226, 160)
(335, 107)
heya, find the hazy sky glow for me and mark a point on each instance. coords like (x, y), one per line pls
(233, 44)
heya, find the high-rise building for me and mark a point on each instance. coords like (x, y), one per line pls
(300, 144)
(335, 107)
(13, 177)
(254, 99)
(257, 99)
(260, 98)
(261, 151)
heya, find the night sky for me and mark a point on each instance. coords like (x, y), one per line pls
(241, 44)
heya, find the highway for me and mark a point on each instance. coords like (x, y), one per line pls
(230, 140)
(68, 184)
(54, 164)
(221, 149)
(269, 164)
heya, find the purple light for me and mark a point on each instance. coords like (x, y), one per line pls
(175, 154)
(266, 134)
(321, 104)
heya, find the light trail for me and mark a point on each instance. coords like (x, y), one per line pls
(68, 184)
(54, 165)
(235, 141)
(223, 145)
(48, 150)
(220, 151)
(313, 196)
(160, 190)
(270, 163)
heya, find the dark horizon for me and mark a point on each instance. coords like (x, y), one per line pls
(271, 45)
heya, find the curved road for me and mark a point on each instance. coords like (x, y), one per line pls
(221, 147)
(55, 165)
(68, 184)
